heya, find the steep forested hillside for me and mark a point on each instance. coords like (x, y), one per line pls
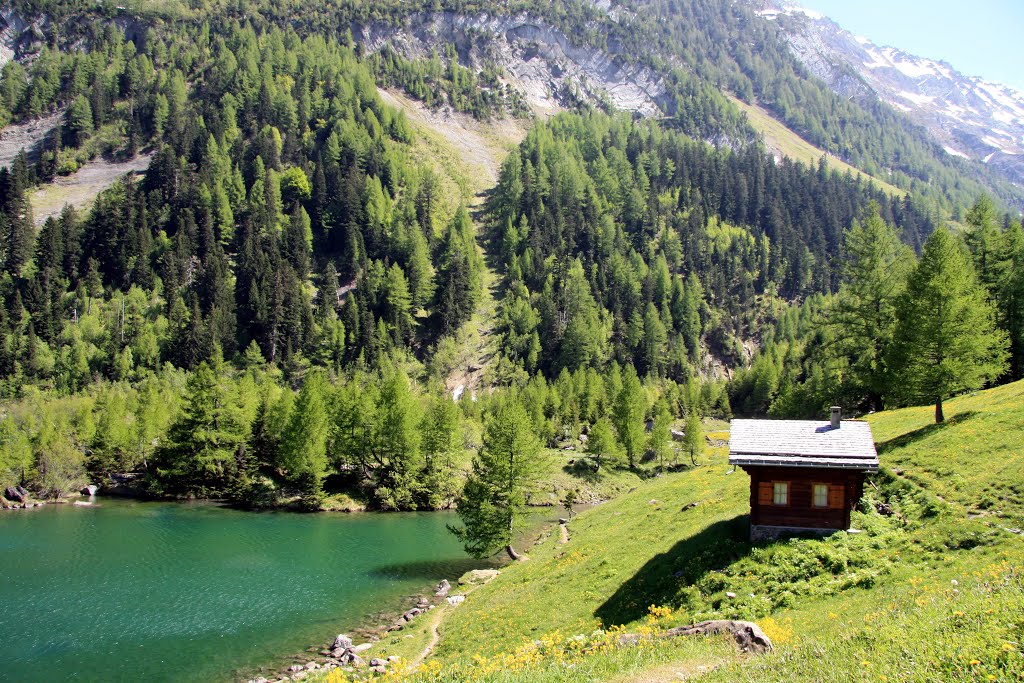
(638, 243)
(271, 312)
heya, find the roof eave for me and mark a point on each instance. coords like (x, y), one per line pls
(790, 462)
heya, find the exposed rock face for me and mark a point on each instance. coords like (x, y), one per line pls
(968, 116)
(538, 60)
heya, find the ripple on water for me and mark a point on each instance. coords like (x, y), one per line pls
(133, 591)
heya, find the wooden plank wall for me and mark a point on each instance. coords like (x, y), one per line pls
(800, 512)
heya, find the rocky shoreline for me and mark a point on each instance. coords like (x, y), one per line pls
(343, 652)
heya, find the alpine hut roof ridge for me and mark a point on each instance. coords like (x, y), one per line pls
(803, 443)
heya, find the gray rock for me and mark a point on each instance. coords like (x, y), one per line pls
(295, 668)
(342, 641)
(730, 594)
(310, 666)
(261, 679)
(300, 675)
(456, 599)
(358, 649)
(378, 662)
(339, 652)
(443, 588)
(90, 490)
(478, 576)
(393, 658)
(379, 669)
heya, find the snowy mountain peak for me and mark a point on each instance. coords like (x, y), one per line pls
(968, 116)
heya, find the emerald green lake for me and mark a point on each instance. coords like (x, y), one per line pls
(134, 591)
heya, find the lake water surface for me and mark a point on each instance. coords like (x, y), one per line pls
(134, 591)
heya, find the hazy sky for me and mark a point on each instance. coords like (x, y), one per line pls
(978, 37)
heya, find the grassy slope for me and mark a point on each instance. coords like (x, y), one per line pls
(779, 138)
(838, 609)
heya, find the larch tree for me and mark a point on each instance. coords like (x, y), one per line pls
(946, 339)
(628, 414)
(693, 436)
(493, 501)
(863, 315)
(304, 443)
(601, 442)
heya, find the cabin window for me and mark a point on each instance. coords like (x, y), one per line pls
(821, 495)
(780, 493)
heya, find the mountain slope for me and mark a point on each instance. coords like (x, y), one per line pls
(835, 608)
(971, 117)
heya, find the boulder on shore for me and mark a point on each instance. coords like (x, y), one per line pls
(16, 494)
(476, 576)
(443, 588)
(343, 641)
(90, 490)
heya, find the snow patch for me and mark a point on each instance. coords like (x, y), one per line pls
(989, 157)
(956, 153)
(916, 98)
(811, 14)
(912, 69)
(862, 40)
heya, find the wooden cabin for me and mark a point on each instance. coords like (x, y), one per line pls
(805, 475)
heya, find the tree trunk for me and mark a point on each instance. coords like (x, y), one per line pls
(512, 553)
(939, 417)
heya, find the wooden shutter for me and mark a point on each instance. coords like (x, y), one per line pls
(835, 497)
(765, 493)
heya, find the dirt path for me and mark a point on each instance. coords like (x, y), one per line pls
(435, 635)
(81, 188)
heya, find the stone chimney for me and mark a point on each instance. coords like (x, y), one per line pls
(837, 415)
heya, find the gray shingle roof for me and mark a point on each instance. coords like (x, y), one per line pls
(802, 443)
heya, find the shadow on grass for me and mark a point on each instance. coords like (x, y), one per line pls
(583, 468)
(659, 581)
(910, 437)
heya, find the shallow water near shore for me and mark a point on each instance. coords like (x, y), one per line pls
(139, 591)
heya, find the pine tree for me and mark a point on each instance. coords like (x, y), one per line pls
(493, 501)
(945, 340)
